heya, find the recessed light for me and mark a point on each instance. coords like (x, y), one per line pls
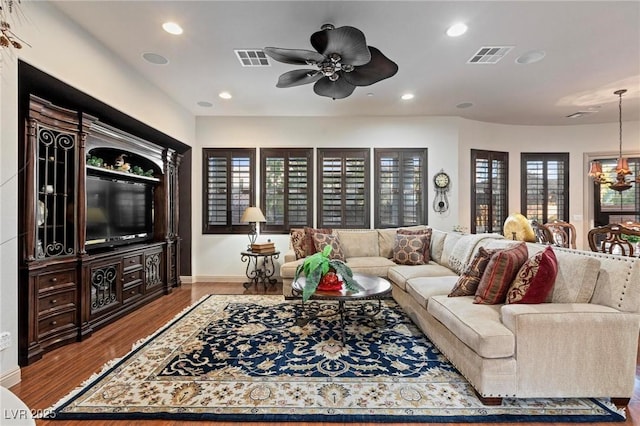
(155, 59)
(172, 28)
(531, 57)
(407, 96)
(457, 29)
(225, 95)
(462, 105)
(205, 104)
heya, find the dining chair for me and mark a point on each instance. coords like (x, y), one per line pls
(563, 234)
(613, 239)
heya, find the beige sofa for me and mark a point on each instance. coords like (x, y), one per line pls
(583, 343)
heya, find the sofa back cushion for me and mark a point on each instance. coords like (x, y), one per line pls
(356, 243)
(437, 245)
(465, 248)
(576, 278)
(450, 241)
(386, 240)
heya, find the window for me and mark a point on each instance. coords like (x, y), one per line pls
(286, 188)
(489, 190)
(343, 188)
(613, 206)
(228, 189)
(545, 186)
(400, 184)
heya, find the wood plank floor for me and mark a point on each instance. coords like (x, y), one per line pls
(58, 372)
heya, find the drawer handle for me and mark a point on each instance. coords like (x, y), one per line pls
(132, 277)
(132, 292)
(131, 261)
(53, 301)
(54, 280)
(54, 322)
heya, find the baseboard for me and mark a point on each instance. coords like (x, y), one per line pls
(218, 278)
(186, 279)
(10, 378)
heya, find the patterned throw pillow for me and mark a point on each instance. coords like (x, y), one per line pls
(535, 279)
(468, 282)
(309, 233)
(298, 243)
(499, 274)
(321, 240)
(427, 244)
(409, 249)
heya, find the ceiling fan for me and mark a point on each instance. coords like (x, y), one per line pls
(342, 60)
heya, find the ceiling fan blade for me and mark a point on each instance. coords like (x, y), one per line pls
(348, 42)
(294, 56)
(298, 78)
(378, 69)
(338, 89)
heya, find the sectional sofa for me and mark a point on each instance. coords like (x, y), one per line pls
(582, 342)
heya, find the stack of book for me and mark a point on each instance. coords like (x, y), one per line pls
(268, 247)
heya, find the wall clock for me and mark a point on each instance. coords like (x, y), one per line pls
(441, 182)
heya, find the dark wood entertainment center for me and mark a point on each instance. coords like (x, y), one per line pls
(70, 286)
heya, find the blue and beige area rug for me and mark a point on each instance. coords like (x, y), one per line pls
(243, 358)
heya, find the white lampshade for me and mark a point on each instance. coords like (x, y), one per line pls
(253, 214)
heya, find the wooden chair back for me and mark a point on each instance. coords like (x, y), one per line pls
(563, 234)
(612, 239)
(542, 233)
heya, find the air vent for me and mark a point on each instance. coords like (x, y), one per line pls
(252, 58)
(579, 114)
(489, 54)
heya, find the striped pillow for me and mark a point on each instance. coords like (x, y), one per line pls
(499, 274)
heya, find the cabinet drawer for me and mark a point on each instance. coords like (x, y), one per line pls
(56, 301)
(131, 277)
(131, 292)
(55, 322)
(132, 261)
(56, 279)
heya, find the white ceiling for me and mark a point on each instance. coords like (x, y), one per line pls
(592, 49)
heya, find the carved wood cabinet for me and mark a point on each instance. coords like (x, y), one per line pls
(70, 286)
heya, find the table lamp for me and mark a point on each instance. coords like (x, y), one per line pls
(253, 215)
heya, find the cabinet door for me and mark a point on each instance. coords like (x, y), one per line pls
(105, 288)
(153, 270)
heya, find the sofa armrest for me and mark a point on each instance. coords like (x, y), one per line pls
(289, 256)
(577, 349)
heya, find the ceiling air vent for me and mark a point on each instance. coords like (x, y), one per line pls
(252, 58)
(489, 54)
(579, 114)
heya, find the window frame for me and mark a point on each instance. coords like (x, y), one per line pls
(545, 157)
(490, 156)
(228, 155)
(286, 154)
(402, 155)
(343, 154)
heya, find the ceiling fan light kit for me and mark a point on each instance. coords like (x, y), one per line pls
(342, 61)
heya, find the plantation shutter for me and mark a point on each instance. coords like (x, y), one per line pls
(545, 183)
(489, 194)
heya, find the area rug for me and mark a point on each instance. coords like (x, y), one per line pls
(243, 358)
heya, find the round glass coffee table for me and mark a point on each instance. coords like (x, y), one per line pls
(330, 303)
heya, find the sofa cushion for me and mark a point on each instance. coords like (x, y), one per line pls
(422, 288)
(450, 241)
(359, 243)
(576, 279)
(322, 240)
(477, 326)
(371, 265)
(288, 269)
(535, 279)
(409, 249)
(500, 273)
(467, 283)
(437, 245)
(399, 274)
(386, 241)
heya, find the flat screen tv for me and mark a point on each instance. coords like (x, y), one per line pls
(118, 212)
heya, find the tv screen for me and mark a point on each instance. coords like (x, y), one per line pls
(118, 212)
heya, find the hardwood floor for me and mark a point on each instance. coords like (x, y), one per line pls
(60, 371)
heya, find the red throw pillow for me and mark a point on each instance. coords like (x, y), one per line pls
(535, 279)
(468, 282)
(309, 244)
(426, 254)
(499, 274)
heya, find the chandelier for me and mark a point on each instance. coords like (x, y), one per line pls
(622, 168)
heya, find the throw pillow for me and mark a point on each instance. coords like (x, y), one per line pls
(321, 240)
(409, 249)
(468, 282)
(309, 233)
(535, 279)
(427, 244)
(499, 274)
(298, 243)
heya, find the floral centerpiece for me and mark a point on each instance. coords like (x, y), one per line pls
(323, 273)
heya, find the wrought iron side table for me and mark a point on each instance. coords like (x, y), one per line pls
(260, 268)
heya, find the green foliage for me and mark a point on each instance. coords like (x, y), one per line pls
(316, 266)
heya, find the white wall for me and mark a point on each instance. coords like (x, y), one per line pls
(218, 256)
(60, 48)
